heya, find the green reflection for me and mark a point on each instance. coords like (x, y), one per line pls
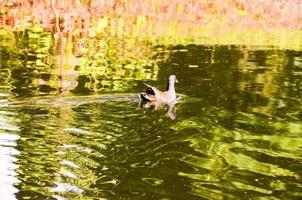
(237, 134)
(53, 65)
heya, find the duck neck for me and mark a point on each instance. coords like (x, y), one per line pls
(170, 88)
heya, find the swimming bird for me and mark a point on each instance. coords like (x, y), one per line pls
(153, 94)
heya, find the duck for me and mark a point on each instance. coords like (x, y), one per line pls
(153, 94)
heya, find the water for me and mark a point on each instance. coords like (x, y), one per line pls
(72, 127)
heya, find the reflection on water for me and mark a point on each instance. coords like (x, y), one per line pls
(157, 105)
(8, 150)
(8, 167)
(64, 65)
(237, 134)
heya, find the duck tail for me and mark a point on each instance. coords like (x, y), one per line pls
(147, 85)
(144, 97)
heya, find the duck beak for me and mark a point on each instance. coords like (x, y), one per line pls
(176, 80)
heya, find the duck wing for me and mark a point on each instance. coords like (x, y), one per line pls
(153, 90)
(151, 93)
(149, 90)
(147, 97)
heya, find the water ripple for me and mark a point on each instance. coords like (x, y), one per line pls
(8, 167)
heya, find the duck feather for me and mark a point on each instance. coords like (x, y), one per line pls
(153, 94)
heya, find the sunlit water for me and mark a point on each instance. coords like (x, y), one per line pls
(237, 132)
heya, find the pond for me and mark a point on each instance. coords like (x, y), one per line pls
(72, 127)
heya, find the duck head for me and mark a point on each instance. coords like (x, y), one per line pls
(171, 81)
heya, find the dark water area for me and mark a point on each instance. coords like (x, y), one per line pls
(75, 134)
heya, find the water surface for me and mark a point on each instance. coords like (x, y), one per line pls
(76, 130)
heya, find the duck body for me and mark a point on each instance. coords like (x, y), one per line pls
(153, 94)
